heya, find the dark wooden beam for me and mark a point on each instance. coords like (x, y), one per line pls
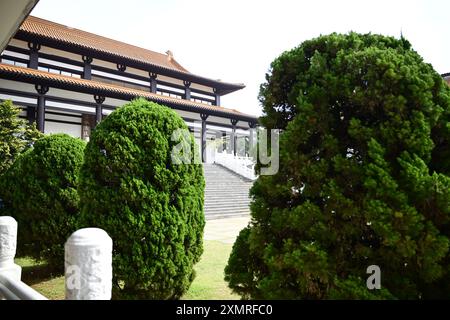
(98, 108)
(233, 136)
(203, 136)
(153, 83)
(216, 97)
(251, 142)
(87, 68)
(41, 90)
(224, 146)
(187, 90)
(31, 114)
(34, 55)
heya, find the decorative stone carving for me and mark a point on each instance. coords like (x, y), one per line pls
(8, 244)
(88, 265)
(8, 236)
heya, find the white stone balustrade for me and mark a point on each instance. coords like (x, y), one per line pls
(10, 273)
(8, 244)
(243, 166)
(88, 265)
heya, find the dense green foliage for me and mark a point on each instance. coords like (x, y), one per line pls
(40, 191)
(363, 180)
(152, 208)
(16, 135)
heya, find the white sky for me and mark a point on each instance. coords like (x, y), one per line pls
(236, 40)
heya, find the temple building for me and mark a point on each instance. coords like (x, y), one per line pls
(67, 80)
(446, 77)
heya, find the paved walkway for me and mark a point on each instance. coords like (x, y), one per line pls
(225, 230)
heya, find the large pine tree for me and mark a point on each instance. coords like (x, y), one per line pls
(363, 180)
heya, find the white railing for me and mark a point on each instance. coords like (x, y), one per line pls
(243, 166)
(88, 265)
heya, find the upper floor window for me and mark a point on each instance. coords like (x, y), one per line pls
(14, 63)
(61, 72)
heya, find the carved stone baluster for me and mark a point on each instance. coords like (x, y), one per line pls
(8, 244)
(88, 265)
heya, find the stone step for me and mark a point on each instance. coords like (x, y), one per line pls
(226, 201)
(225, 216)
(227, 208)
(234, 212)
(236, 191)
(226, 194)
(234, 201)
(228, 211)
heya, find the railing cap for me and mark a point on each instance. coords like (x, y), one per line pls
(7, 220)
(89, 237)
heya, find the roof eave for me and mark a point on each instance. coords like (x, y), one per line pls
(222, 88)
(120, 95)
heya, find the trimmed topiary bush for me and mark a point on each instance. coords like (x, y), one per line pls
(151, 207)
(40, 191)
(363, 180)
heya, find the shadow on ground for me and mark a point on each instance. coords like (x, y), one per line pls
(35, 272)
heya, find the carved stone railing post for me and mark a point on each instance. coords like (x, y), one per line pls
(8, 243)
(88, 265)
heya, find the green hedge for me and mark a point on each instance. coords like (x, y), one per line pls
(151, 207)
(40, 191)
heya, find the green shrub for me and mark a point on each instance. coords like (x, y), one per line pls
(151, 207)
(40, 191)
(363, 180)
(15, 134)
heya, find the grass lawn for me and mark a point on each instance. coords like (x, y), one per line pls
(208, 285)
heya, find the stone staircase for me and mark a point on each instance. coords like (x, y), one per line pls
(226, 193)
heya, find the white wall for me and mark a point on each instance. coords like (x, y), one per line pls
(73, 130)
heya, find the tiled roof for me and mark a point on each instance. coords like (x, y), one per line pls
(62, 33)
(60, 81)
(446, 77)
(54, 34)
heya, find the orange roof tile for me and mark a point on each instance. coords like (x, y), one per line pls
(59, 32)
(48, 31)
(59, 81)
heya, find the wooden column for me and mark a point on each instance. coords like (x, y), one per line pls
(98, 108)
(224, 139)
(41, 90)
(203, 136)
(34, 55)
(233, 136)
(31, 114)
(87, 124)
(216, 97)
(187, 90)
(153, 82)
(87, 68)
(252, 126)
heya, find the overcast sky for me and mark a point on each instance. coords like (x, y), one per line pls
(236, 40)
